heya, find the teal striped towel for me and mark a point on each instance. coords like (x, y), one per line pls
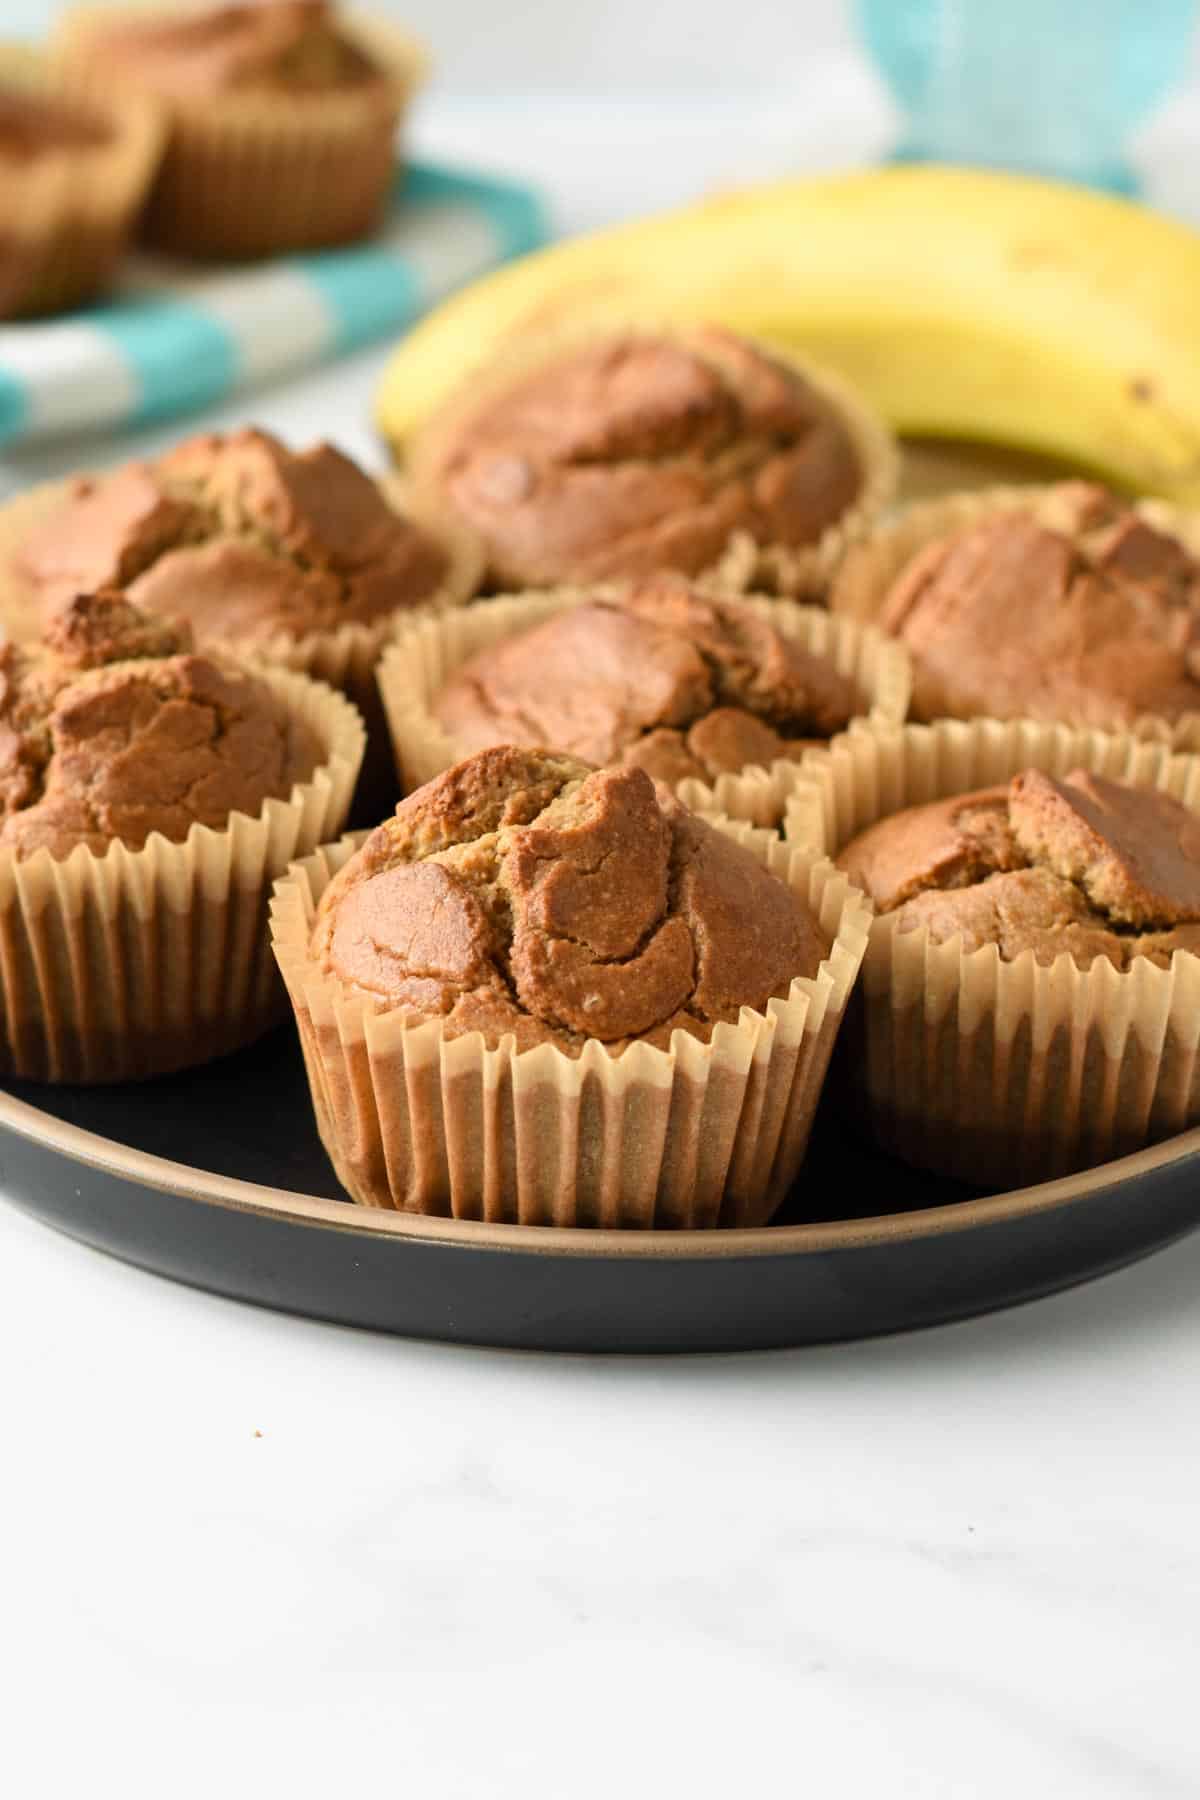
(177, 337)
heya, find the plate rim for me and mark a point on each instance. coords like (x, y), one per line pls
(285, 1205)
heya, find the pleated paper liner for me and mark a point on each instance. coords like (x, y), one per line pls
(69, 211)
(426, 652)
(697, 1135)
(346, 658)
(872, 566)
(139, 962)
(997, 1072)
(745, 566)
(252, 172)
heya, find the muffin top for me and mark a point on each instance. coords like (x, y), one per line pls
(641, 452)
(288, 46)
(1076, 609)
(112, 728)
(1086, 866)
(522, 893)
(656, 673)
(33, 124)
(238, 536)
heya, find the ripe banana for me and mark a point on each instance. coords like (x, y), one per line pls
(964, 304)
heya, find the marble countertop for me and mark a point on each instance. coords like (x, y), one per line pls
(252, 1554)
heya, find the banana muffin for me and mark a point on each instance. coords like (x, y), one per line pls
(115, 729)
(1072, 607)
(1082, 866)
(522, 893)
(241, 537)
(74, 171)
(645, 450)
(282, 117)
(657, 673)
(1030, 994)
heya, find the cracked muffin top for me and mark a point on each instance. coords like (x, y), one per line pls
(642, 452)
(112, 728)
(294, 46)
(523, 893)
(238, 536)
(1076, 609)
(657, 674)
(1085, 865)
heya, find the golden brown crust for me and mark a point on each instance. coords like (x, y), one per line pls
(658, 675)
(113, 729)
(1084, 865)
(287, 46)
(281, 118)
(239, 536)
(521, 893)
(641, 452)
(94, 629)
(1135, 854)
(946, 844)
(1078, 609)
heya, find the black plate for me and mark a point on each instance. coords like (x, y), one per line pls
(217, 1178)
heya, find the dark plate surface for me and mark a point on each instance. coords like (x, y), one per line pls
(217, 1178)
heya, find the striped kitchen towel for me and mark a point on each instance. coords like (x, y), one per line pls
(176, 337)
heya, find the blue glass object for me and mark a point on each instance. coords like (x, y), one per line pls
(1052, 87)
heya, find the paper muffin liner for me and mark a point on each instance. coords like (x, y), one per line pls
(745, 565)
(872, 566)
(697, 1135)
(140, 962)
(425, 652)
(69, 212)
(253, 173)
(1003, 1073)
(346, 658)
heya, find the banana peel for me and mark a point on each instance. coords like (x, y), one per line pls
(964, 303)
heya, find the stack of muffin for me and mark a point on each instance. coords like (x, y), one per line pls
(645, 642)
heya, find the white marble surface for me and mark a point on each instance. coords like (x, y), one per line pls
(249, 1554)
